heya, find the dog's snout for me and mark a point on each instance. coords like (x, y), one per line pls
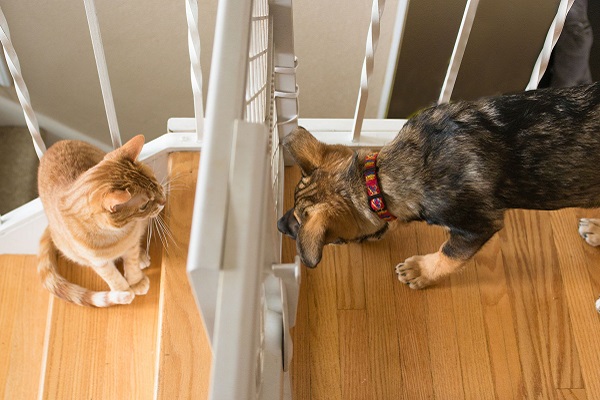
(288, 225)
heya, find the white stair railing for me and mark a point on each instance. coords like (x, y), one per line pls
(191, 12)
(397, 36)
(109, 104)
(14, 67)
(459, 50)
(367, 69)
(554, 32)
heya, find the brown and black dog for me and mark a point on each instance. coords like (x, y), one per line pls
(458, 165)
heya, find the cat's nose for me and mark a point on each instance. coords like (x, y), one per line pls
(161, 201)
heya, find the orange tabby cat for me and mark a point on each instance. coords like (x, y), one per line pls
(98, 207)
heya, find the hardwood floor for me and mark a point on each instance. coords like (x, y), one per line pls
(23, 308)
(518, 322)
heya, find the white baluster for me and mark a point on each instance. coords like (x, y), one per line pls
(459, 50)
(553, 33)
(109, 104)
(22, 93)
(191, 12)
(399, 25)
(367, 70)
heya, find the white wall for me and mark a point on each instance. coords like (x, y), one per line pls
(146, 49)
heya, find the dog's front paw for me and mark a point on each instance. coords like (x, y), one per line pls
(413, 272)
(589, 229)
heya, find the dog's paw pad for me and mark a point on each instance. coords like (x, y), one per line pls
(409, 272)
(589, 229)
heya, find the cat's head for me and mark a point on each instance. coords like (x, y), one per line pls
(122, 188)
(329, 200)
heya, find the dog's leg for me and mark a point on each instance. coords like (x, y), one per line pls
(421, 271)
(589, 229)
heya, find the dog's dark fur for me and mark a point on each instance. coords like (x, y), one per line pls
(458, 165)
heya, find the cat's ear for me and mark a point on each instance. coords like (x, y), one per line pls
(130, 150)
(305, 149)
(115, 199)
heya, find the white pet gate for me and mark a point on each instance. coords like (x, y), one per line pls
(247, 297)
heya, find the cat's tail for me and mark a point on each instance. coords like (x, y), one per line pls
(61, 288)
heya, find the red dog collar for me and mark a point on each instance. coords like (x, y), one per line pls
(373, 189)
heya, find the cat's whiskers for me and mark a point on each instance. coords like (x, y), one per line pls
(170, 183)
(163, 232)
(167, 231)
(168, 189)
(160, 234)
(149, 237)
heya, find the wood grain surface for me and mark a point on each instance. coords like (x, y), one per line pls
(518, 322)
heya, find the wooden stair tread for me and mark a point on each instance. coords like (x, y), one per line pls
(104, 353)
(184, 349)
(23, 314)
(154, 348)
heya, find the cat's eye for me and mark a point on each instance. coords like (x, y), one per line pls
(145, 206)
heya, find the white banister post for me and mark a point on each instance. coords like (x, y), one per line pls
(399, 25)
(191, 12)
(109, 104)
(367, 69)
(551, 38)
(459, 50)
(21, 88)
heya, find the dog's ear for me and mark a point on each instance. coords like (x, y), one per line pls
(304, 149)
(311, 239)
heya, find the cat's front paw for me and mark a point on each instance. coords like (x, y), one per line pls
(412, 272)
(589, 229)
(598, 305)
(121, 296)
(144, 260)
(141, 287)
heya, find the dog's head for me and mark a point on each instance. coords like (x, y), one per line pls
(330, 199)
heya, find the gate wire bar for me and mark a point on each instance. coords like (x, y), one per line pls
(109, 104)
(21, 88)
(367, 69)
(191, 12)
(554, 31)
(285, 64)
(459, 50)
